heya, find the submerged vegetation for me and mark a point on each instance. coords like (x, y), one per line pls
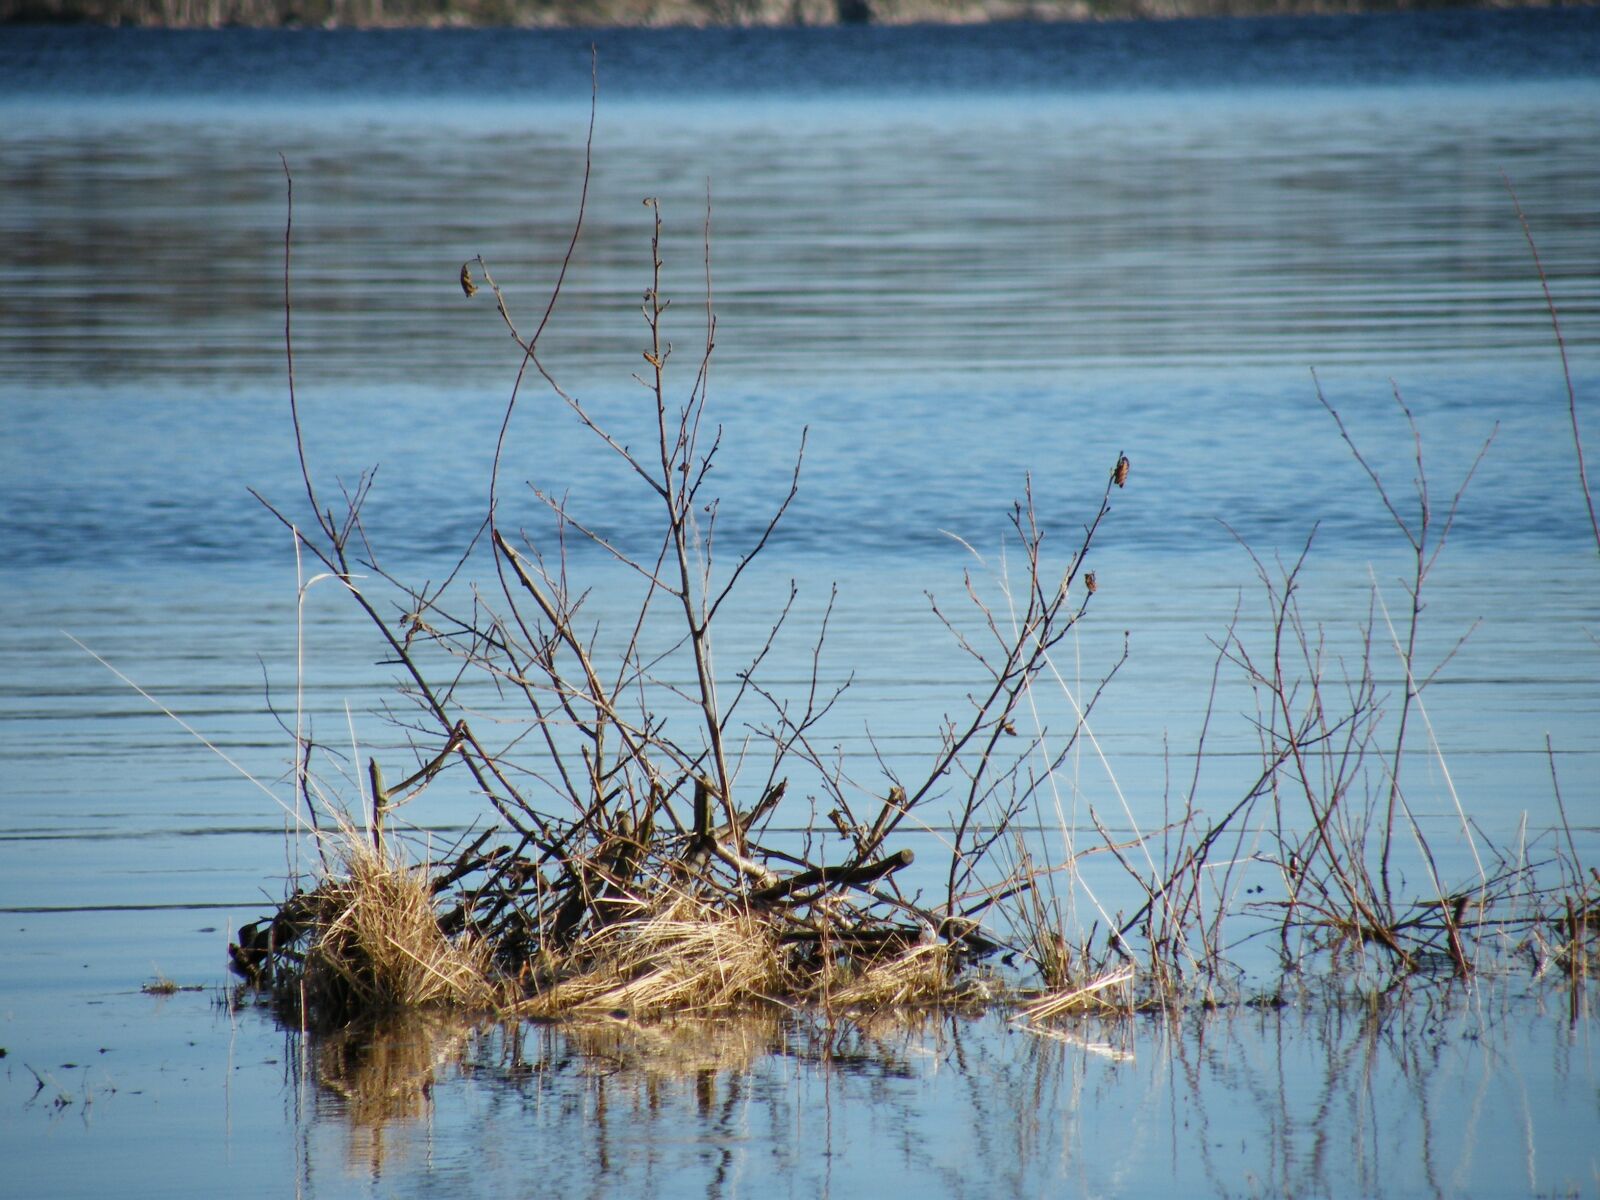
(651, 855)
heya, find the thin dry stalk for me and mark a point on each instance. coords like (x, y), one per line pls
(1426, 536)
(1327, 743)
(1566, 369)
(1111, 992)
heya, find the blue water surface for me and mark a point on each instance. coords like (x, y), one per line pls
(963, 264)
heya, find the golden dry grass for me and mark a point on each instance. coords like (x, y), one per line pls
(375, 944)
(693, 958)
(689, 958)
(921, 975)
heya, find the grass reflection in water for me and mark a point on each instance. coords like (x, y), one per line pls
(1425, 1097)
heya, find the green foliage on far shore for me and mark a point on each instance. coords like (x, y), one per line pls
(645, 13)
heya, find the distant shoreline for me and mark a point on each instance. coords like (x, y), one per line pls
(595, 14)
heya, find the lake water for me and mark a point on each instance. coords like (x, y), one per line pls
(962, 258)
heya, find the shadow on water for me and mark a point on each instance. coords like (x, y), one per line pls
(1429, 1097)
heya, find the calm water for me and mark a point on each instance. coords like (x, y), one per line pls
(960, 258)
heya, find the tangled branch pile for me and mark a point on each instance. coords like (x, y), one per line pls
(633, 866)
(640, 862)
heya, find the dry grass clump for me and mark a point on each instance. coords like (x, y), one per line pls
(694, 958)
(921, 975)
(690, 957)
(373, 944)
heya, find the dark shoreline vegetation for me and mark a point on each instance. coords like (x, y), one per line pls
(650, 857)
(393, 14)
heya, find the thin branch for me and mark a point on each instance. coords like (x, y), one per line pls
(1566, 369)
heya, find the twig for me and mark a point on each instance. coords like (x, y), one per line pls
(1566, 369)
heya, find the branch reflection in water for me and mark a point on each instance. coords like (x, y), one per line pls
(1432, 1095)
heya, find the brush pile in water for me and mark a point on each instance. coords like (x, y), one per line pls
(645, 859)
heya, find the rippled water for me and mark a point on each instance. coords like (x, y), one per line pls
(961, 259)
